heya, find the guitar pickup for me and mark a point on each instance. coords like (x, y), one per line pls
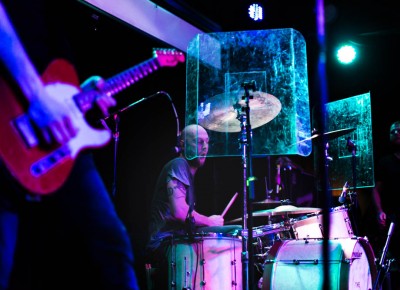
(26, 130)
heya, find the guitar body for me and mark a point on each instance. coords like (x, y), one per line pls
(54, 164)
(43, 170)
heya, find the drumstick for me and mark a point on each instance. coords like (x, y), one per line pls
(229, 204)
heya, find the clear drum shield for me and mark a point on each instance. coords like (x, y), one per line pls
(220, 67)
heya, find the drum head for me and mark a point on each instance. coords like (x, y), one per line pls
(232, 230)
(351, 265)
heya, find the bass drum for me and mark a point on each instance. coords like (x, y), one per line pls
(299, 264)
(206, 261)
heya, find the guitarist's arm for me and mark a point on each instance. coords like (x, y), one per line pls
(47, 114)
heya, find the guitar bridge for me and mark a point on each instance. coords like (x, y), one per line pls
(45, 164)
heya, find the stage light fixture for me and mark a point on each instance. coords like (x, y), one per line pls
(255, 11)
(346, 54)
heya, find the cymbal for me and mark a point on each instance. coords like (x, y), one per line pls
(333, 134)
(329, 135)
(286, 210)
(270, 201)
(220, 113)
(282, 210)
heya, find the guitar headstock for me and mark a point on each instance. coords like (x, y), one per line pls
(168, 56)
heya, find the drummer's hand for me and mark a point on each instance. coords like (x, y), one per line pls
(382, 218)
(216, 220)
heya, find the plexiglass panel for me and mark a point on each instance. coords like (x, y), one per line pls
(351, 113)
(222, 68)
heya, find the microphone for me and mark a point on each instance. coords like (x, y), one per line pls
(351, 146)
(278, 178)
(177, 147)
(343, 195)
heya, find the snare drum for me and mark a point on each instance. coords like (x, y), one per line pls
(263, 239)
(312, 226)
(299, 264)
(206, 261)
(278, 229)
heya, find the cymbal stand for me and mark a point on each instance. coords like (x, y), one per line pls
(352, 148)
(248, 189)
(383, 264)
(116, 142)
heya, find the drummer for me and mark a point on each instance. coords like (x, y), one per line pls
(173, 207)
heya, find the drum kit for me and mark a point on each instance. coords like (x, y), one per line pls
(287, 248)
(287, 253)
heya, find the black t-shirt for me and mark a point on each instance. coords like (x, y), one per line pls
(388, 172)
(162, 224)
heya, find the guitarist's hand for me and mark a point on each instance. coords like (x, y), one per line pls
(52, 121)
(103, 101)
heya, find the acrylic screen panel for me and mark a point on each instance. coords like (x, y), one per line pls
(217, 66)
(353, 112)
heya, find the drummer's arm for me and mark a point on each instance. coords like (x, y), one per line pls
(377, 202)
(179, 207)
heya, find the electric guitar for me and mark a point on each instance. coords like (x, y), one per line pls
(42, 171)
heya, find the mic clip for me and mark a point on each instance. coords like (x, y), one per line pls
(343, 195)
(351, 145)
(190, 226)
(190, 223)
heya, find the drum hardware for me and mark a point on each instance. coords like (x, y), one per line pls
(267, 181)
(231, 113)
(207, 261)
(242, 108)
(352, 148)
(384, 265)
(273, 201)
(187, 274)
(328, 135)
(283, 210)
(331, 135)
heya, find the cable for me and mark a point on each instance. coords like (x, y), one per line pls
(177, 150)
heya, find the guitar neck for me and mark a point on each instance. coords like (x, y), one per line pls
(130, 76)
(117, 83)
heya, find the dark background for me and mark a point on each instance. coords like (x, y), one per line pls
(107, 46)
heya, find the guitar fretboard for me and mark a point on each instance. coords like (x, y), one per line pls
(117, 83)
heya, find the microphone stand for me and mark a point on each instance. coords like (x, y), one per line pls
(382, 264)
(246, 140)
(115, 133)
(116, 141)
(352, 147)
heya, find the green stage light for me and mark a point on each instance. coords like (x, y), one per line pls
(346, 54)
